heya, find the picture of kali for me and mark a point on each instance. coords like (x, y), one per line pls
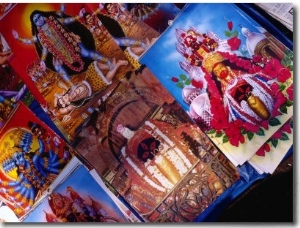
(29, 164)
(65, 45)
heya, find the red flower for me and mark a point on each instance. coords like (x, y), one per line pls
(238, 123)
(197, 84)
(174, 79)
(257, 58)
(260, 152)
(290, 92)
(234, 43)
(287, 128)
(230, 25)
(254, 69)
(250, 127)
(276, 112)
(277, 135)
(234, 135)
(267, 147)
(265, 124)
(218, 122)
(264, 148)
(272, 68)
(264, 60)
(280, 100)
(283, 75)
(274, 87)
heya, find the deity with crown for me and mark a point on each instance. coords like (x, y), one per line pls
(224, 75)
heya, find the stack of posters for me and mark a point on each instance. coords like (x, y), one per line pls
(115, 79)
(233, 78)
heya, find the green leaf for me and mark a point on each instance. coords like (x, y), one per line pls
(182, 76)
(284, 137)
(283, 109)
(274, 142)
(282, 87)
(218, 135)
(289, 103)
(235, 33)
(250, 135)
(188, 81)
(292, 124)
(274, 122)
(225, 139)
(227, 33)
(211, 131)
(286, 61)
(180, 85)
(260, 132)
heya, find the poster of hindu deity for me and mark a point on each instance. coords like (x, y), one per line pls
(72, 55)
(145, 145)
(79, 198)
(129, 31)
(234, 79)
(12, 88)
(31, 157)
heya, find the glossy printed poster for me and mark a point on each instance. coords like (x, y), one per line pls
(144, 144)
(79, 198)
(75, 54)
(57, 58)
(230, 74)
(31, 157)
(12, 88)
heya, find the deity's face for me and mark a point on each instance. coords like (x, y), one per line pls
(37, 132)
(64, 100)
(38, 20)
(220, 70)
(19, 158)
(113, 8)
(89, 19)
(58, 201)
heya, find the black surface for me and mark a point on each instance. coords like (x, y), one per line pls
(269, 200)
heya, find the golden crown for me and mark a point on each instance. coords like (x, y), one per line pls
(211, 59)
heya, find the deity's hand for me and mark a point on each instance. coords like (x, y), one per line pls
(81, 12)
(15, 34)
(101, 6)
(43, 65)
